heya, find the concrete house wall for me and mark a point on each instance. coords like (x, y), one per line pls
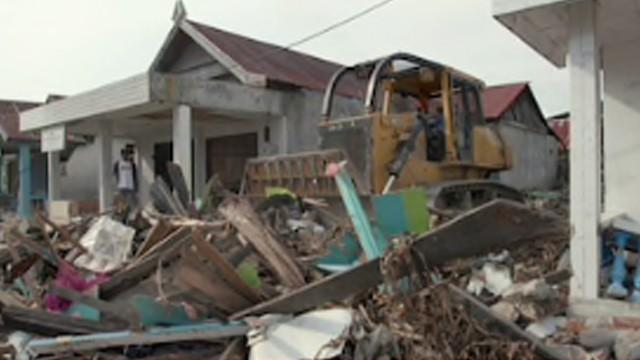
(621, 127)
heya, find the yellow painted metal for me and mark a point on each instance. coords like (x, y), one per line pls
(387, 130)
(449, 119)
(489, 150)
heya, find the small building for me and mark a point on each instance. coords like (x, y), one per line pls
(519, 120)
(20, 152)
(210, 100)
(24, 167)
(599, 43)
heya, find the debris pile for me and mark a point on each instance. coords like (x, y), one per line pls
(286, 278)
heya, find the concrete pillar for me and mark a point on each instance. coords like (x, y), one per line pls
(146, 173)
(105, 164)
(200, 163)
(182, 135)
(25, 207)
(53, 176)
(284, 135)
(584, 69)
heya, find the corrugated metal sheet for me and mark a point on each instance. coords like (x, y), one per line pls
(10, 119)
(279, 65)
(498, 99)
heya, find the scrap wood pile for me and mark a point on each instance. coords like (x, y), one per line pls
(233, 280)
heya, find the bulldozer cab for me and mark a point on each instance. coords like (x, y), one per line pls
(411, 99)
(405, 84)
(422, 125)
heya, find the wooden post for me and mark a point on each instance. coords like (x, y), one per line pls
(105, 164)
(25, 207)
(584, 69)
(182, 135)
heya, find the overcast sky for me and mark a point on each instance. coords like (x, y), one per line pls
(69, 46)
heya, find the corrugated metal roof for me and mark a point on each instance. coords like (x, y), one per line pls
(498, 99)
(278, 64)
(10, 119)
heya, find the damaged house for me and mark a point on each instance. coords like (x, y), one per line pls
(210, 100)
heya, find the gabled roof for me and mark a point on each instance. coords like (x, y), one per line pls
(10, 120)
(276, 64)
(498, 99)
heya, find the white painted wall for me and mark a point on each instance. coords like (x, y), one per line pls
(296, 132)
(622, 128)
(535, 157)
(79, 180)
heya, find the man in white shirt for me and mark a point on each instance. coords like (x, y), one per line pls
(126, 176)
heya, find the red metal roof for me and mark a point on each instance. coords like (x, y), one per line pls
(10, 119)
(278, 64)
(498, 99)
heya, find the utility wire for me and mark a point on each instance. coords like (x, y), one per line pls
(339, 24)
(324, 31)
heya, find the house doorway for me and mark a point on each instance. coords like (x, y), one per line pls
(227, 155)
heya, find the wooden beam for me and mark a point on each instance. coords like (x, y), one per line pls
(157, 233)
(240, 213)
(487, 317)
(50, 324)
(230, 275)
(497, 225)
(129, 277)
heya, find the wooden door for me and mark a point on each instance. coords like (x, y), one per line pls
(227, 155)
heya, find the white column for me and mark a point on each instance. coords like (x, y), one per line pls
(182, 134)
(53, 175)
(105, 164)
(584, 68)
(200, 163)
(146, 173)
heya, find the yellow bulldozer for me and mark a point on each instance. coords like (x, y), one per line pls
(422, 125)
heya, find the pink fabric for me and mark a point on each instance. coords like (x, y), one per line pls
(69, 278)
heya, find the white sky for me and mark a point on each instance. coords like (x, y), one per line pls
(69, 46)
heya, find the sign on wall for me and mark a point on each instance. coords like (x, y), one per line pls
(53, 138)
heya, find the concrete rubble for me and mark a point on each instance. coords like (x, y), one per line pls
(280, 278)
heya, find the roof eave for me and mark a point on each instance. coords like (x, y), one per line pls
(524, 19)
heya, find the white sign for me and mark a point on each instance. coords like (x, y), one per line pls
(53, 138)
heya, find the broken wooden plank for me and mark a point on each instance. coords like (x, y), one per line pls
(44, 251)
(50, 324)
(226, 269)
(158, 232)
(129, 277)
(490, 320)
(195, 275)
(64, 233)
(240, 214)
(493, 226)
(179, 183)
(164, 200)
